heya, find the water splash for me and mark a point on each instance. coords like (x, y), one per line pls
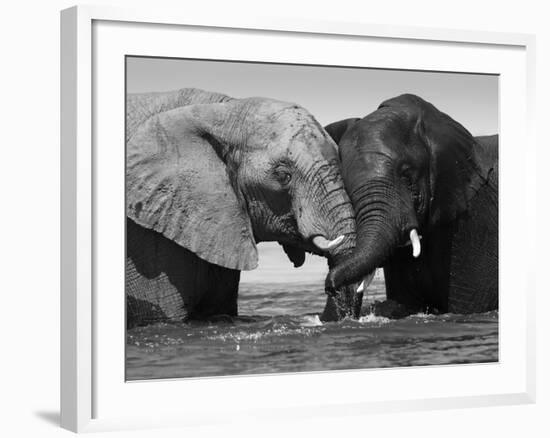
(370, 318)
(277, 332)
(311, 321)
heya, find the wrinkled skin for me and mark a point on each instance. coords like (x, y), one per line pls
(207, 178)
(409, 166)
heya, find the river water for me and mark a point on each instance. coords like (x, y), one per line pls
(277, 332)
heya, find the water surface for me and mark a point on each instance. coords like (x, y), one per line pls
(277, 332)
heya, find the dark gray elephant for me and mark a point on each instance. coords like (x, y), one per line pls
(207, 178)
(425, 193)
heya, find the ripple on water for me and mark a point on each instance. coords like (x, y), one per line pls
(278, 333)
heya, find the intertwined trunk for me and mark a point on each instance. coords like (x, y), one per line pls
(329, 201)
(379, 229)
(381, 225)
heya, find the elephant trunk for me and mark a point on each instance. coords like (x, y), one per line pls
(334, 205)
(325, 214)
(373, 247)
(383, 218)
(346, 302)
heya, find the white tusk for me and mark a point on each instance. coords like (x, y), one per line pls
(415, 240)
(335, 242)
(324, 244)
(366, 281)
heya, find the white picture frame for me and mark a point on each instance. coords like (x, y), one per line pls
(94, 395)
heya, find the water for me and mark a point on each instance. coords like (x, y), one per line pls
(277, 332)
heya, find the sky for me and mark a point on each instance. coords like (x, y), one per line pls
(330, 94)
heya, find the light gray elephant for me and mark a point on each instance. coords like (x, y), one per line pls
(207, 178)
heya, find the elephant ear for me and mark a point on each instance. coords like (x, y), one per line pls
(457, 167)
(178, 185)
(337, 129)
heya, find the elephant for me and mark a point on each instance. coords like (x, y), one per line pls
(425, 194)
(208, 177)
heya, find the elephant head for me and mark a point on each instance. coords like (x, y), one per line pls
(216, 175)
(407, 168)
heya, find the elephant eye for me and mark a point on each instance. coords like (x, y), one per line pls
(283, 176)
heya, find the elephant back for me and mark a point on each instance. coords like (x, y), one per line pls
(141, 107)
(489, 146)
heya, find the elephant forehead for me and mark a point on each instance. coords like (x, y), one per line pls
(296, 131)
(283, 128)
(383, 130)
(300, 142)
(317, 143)
(276, 113)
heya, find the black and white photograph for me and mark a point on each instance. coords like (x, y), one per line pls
(286, 218)
(275, 219)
